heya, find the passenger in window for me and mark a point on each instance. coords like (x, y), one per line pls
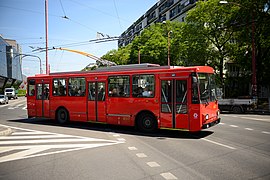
(32, 92)
(146, 92)
(138, 92)
(101, 95)
(114, 92)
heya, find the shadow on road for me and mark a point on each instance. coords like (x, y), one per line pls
(159, 134)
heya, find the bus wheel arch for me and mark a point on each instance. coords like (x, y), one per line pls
(146, 121)
(62, 115)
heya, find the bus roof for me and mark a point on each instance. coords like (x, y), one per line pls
(135, 67)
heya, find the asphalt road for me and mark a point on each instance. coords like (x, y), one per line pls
(237, 148)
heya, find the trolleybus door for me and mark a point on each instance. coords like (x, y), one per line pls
(42, 99)
(174, 103)
(96, 101)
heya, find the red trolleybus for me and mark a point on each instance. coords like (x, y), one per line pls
(147, 96)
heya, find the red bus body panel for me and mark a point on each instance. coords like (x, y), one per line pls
(124, 110)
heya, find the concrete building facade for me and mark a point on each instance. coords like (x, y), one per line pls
(164, 10)
(10, 63)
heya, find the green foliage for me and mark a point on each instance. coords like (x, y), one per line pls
(213, 34)
(120, 56)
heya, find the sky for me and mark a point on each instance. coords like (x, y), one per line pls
(24, 21)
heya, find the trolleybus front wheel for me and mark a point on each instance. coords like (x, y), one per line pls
(62, 116)
(147, 122)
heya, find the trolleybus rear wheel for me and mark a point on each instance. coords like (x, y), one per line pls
(62, 116)
(147, 122)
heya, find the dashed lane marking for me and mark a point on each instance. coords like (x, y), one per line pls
(249, 129)
(265, 132)
(233, 126)
(132, 148)
(168, 176)
(141, 155)
(220, 144)
(121, 139)
(26, 143)
(153, 164)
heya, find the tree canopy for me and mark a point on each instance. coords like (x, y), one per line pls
(214, 33)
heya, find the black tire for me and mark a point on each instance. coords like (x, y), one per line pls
(147, 123)
(62, 116)
(237, 110)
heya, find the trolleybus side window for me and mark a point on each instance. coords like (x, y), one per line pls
(181, 96)
(31, 87)
(39, 91)
(195, 91)
(99, 93)
(59, 87)
(213, 88)
(143, 86)
(76, 87)
(119, 86)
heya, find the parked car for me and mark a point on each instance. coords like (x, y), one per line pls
(3, 99)
(11, 93)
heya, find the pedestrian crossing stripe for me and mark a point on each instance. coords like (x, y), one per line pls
(26, 143)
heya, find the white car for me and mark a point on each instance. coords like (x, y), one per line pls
(3, 99)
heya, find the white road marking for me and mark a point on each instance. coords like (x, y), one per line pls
(24, 108)
(153, 164)
(256, 119)
(249, 129)
(22, 145)
(222, 123)
(217, 143)
(73, 147)
(121, 139)
(30, 133)
(233, 125)
(35, 137)
(265, 132)
(49, 141)
(132, 148)
(168, 176)
(141, 155)
(116, 135)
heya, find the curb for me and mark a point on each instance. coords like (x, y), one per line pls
(6, 132)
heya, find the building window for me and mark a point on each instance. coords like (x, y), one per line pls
(143, 86)
(59, 87)
(119, 86)
(76, 87)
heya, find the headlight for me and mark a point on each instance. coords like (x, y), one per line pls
(218, 114)
(206, 117)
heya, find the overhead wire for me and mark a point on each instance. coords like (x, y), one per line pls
(117, 14)
(62, 7)
(103, 12)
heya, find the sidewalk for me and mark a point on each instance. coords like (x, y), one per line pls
(4, 131)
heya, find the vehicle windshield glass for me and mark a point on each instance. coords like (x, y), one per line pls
(207, 87)
(1, 96)
(9, 90)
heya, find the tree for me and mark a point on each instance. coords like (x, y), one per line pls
(120, 56)
(152, 44)
(209, 20)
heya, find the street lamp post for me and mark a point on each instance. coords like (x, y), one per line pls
(30, 55)
(254, 76)
(169, 44)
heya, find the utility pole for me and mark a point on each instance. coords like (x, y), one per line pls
(46, 30)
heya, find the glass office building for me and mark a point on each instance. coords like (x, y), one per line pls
(10, 63)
